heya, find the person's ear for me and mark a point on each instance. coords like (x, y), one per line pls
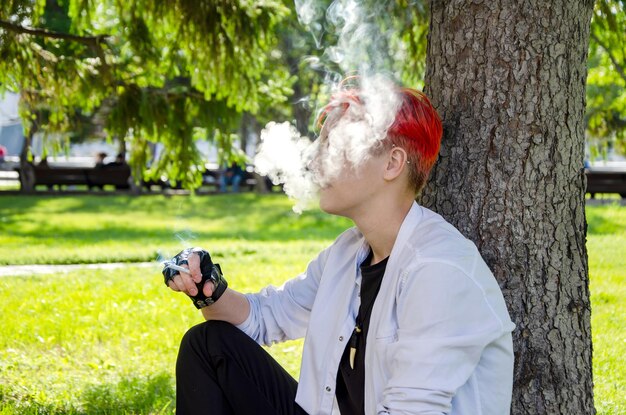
(396, 162)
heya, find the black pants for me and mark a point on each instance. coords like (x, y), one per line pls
(220, 370)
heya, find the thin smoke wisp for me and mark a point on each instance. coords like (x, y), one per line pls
(284, 155)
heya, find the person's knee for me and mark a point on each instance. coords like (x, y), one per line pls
(210, 336)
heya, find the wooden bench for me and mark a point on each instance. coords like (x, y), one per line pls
(118, 176)
(606, 182)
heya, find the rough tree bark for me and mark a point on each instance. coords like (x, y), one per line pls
(508, 78)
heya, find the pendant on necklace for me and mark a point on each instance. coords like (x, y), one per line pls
(353, 343)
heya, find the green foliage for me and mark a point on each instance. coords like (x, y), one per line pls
(413, 31)
(153, 71)
(173, 72)
(606, 81)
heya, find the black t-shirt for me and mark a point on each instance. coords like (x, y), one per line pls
(351, 382)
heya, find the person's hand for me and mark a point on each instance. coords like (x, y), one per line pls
(186, 282)
(192, 272)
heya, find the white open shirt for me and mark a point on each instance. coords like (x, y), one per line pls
(439, 340)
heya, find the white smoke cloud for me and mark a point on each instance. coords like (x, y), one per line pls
(360, 129)
(284, 155)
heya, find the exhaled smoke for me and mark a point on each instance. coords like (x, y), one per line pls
(303, 166)
(284, 157)
(359, 130)
(309, 13)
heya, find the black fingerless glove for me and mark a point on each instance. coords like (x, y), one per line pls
(209, 271)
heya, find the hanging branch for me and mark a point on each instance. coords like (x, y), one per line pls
(94, 42)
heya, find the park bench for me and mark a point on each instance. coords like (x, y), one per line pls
(118, 176)
(606, 182)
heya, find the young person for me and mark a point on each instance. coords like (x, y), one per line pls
(400, 314)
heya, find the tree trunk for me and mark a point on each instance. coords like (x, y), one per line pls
(253, 128)
(508, 78)
(27, 172)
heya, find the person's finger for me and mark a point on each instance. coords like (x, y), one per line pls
(208, 288)
(172, 285)
(185, 284)
(190, 285)
(194, 267)
(176, 283)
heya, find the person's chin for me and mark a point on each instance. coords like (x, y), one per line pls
(325, 203)
(331, 207)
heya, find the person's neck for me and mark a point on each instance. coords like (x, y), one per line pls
(380, 226)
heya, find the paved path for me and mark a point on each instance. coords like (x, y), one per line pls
(20, 270)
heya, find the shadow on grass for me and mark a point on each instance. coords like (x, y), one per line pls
(244, 216)
(214, 205)
(599, 222)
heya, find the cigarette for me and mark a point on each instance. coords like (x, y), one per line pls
(176, 267)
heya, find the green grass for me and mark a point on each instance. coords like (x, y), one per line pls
(606, 245)
(101, 343)
(87, 229)
(105, 342)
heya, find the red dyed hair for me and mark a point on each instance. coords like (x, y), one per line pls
(416, 128)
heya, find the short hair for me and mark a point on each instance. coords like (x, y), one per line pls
(416, 128)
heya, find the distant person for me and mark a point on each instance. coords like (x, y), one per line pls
(43, 163)
(3, 153)
(100, 160)
(120, 160)
(232, 176)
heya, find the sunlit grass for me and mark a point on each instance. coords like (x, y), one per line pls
(105, 342)
(102, 342)
(606, 245)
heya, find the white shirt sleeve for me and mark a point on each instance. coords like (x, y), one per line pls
(279, 314)
(445, 320)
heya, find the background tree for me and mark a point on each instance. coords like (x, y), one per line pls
(509, 80)
(179, 71)
(606, 83)
(160, 72)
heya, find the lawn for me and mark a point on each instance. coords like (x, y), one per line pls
(64, 230)
(104, 342)
(606, 246)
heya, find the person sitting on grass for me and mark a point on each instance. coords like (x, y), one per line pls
(400, 314)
